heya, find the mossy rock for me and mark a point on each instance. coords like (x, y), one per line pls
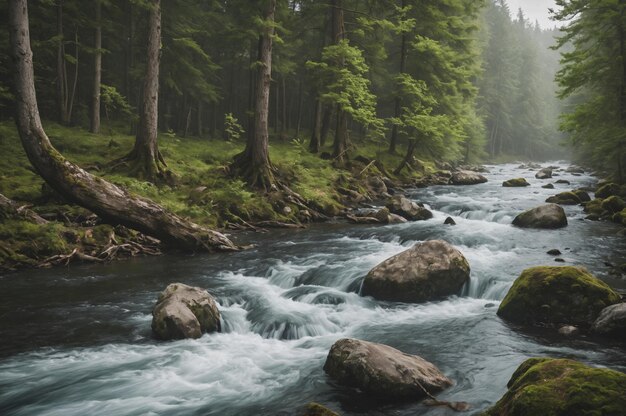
(594, 207)
(316, 409)
(613, 204)
(559, 387)
(607, 190)
(556, 295)
(515, 183)
(620, 217)
(582, 195)
(564, 198)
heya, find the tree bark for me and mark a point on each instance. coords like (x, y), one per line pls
(109, 201)
(61, 68)
(408, 158)
(316, 136)
(253, 164)
(147, 161)
(341, 131)
(393, 142)
(97, 72)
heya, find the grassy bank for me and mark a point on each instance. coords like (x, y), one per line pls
(204, 191)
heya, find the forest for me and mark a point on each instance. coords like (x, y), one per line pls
(324, 179)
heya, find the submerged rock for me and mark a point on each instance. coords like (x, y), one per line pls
(564, 198)
(554, 252)
(449, 221)
(467, 177)
(611, 322)
(545, 173)
(184, 312)
(316, 409)
(514, 183)
(548, 186)
(383, 371)
(427, 271)
(562, 181)
(400, 205)
(556, 295)
(546, 386)
(544, 216)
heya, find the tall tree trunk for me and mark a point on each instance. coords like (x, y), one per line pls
(284, 126)
(341, 131)
(148, 163)
(199, 126)
(61, 68)
(299, 111)
(393, 142)
(621, 145)
(255, 50)
(97, 71)
(316, 135)
(70, 105)
(253, 164)
(408, 158)
(326, 120)
(110, 202)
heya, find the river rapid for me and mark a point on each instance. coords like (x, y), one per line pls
(76, 341)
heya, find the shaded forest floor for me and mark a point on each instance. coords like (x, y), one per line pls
(204, 191)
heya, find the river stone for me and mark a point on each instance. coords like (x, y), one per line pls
(184, 312)
(582, 195)
(545, 173)
(544, 216)
(449, 221)
(427, 271)
(376, 185)
(316, 409)
(548, 186)
(400, 205)
(612, 321)
(383, 371)
(466, 177)
(607, 190)
(514, 183)
(556, 295)
(574, 169)
(613, 204)
(564, 198)
(546, 386)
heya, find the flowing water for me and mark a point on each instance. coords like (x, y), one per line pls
(77, 341)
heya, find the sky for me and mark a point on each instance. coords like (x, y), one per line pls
(534, 10)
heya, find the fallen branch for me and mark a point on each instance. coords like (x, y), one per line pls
(433, 401)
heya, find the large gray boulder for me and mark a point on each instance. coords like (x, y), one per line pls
(544, 216)
(545, 173)
(383, 371)
(427, 271)
(404, 207)
(184, 312)
(611, 322)
(466, 177)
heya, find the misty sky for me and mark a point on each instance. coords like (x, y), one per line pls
(534, 10)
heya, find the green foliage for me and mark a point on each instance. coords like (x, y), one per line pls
(232, 128)
(341, 79)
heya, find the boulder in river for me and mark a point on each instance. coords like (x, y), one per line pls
(386, 217)
(400, 205)
(427, 271)
(383, 371)
(607, 190)
(184, 312)
(548, 186)
(560, 387)
(449, 221)
(562, 182)
(613, 204)
(316, 409)
(545, 173)
(611, 322)
(556, 295)
(466, 177)
(582, 195)
(564, 198)
(515, 183)
(544, 216)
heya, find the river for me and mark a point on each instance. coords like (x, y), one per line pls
(76, 341)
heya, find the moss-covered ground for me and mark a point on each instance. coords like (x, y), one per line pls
(203, 189)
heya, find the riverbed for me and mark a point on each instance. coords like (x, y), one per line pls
(76, 341)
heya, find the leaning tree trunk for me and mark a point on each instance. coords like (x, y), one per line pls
(108, 201)
(253, 164)
(408, 158)
(147, 162)
(97, 72)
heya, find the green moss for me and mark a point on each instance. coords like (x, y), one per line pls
(517, 182)
(556, 295)
(620, 217)
(33, 240)
(564, 198)
(613, 204)
(594, 207)
(582, 195)
(558, 387)
(607, 190)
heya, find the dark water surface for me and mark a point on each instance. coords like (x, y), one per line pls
(77, 341)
